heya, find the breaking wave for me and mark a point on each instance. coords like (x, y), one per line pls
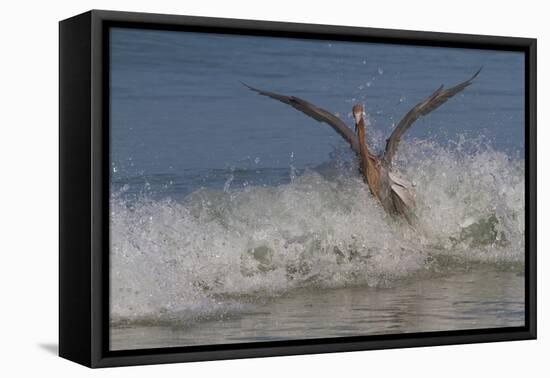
(217, 252)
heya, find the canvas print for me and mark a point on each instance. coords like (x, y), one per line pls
(267, 188)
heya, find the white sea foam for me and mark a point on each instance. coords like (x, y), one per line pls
(216, 252)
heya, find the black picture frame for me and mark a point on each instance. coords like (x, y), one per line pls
(84, 188)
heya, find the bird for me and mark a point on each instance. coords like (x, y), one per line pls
(395, 194)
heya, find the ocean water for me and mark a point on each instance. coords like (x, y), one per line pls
(235, 218)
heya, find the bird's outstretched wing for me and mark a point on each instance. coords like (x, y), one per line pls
(313, 111)
(439, 97)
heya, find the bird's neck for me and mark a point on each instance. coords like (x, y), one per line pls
(363, 148)
(361, 133)
(368, 168)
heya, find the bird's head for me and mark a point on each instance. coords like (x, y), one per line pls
(358, 110)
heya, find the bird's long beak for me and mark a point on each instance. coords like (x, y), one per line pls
(357, 117)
